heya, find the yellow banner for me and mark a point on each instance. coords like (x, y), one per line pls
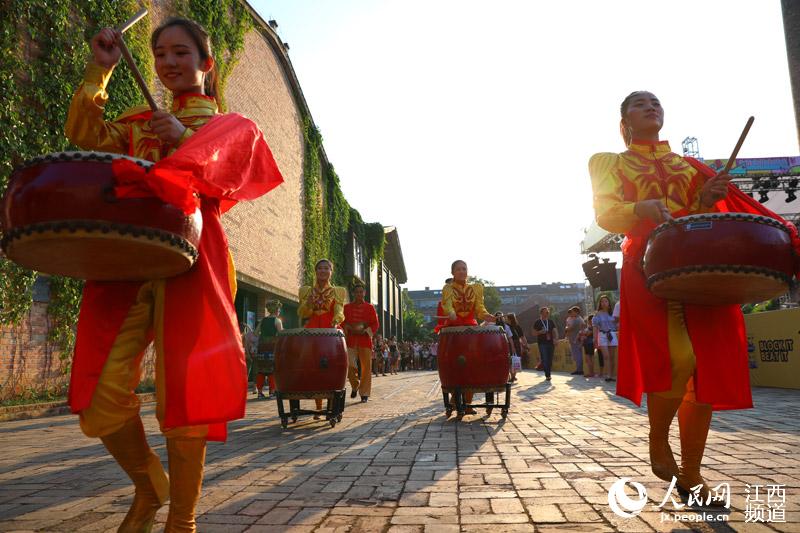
(773, 339)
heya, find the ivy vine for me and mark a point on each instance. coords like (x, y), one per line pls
(41, 63)
(329, 219)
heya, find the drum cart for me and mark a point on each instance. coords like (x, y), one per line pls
(310, 364)
(456, 396)
(474, 359)
(333, 409)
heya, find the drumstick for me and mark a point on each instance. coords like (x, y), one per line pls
(131, 21)
(732, 159)
(126, 54)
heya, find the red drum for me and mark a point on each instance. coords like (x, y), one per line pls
(473, 357)
(310, 360)
(720, 259)
(60, 216)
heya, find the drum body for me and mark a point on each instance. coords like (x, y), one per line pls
(473, 357)
(60, 216)
(310, 360)
(719, 259)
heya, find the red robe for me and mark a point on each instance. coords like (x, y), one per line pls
(225, 161)
(363, 313)
(722, 376)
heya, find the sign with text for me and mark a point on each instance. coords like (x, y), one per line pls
(773, 339)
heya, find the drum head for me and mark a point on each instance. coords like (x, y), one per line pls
(720, 288)
(99, 256)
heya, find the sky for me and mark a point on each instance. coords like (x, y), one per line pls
(468, 125)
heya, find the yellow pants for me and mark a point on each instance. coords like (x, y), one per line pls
(363, 356)
(114, 401)
(681, 353)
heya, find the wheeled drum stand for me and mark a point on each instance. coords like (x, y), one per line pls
(455, 398)
(474, 359)
(333, 409)
(310, 364)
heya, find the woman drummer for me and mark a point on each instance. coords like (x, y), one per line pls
(673, 355)
(191, 316)
(322, 304)
(462, 304)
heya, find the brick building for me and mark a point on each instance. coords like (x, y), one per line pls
(265, 235)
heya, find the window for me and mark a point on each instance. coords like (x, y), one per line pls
(358, 260)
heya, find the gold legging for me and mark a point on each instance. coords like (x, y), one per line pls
(114, 401)
(681, 354)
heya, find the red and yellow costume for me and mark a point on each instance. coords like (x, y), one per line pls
(687, 357)
(466, 301)
(201, 384)
(322, 307)
(359, 346)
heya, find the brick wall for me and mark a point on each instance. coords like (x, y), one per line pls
(266, 235)
(28, 361)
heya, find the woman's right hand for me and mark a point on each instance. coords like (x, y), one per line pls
(105, 50)
(654, 210)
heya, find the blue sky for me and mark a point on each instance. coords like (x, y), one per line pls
(468, 124)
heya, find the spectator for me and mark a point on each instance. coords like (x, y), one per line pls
(586, 339)
(394, 355)
(605, 334)
(377, 355)
(574, 326)
(518, 338)
(546, 336)
(434, 354)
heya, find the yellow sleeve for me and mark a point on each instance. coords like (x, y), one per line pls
(480, 308)
(304, 311)
(611, 211)
(340, 293)
(85, 126)
(447, 299)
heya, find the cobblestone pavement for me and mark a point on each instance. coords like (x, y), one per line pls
(395, 464)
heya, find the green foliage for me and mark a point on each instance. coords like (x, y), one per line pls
(42, 59)
(491, 296)
(33, 395)
(414, 328)
(315, 239)
(16, 292)
(65, 302)
(769, 305)
(328, 218)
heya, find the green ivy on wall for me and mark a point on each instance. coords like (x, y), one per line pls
(42, 59)
(328, 219)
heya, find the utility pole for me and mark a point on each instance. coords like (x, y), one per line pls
(791, 30)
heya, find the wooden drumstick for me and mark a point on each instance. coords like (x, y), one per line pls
(126, 54)
(732, 159)
(131, 21)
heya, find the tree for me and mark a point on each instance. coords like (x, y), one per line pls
(491, 296)
(414, 328)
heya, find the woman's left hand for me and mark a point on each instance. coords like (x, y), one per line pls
(715, 189)
(168, 128)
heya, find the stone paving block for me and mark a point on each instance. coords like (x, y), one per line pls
(400, 466)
